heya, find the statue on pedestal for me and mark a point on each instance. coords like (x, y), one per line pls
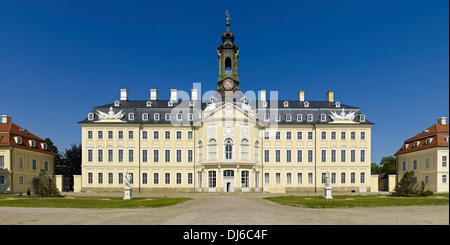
(128, 190)
(327, 186)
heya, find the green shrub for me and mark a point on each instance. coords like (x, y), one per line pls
(410, 187)
(44, 186)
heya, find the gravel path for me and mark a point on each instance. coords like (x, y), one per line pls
(228, 210)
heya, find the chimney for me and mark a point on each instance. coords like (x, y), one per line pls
(174, 95)
(153, 94)
(6, 119)
(442, 121)
(124, 94)
(194, 94)
(301, 95)
(330, 96)
(262, 95)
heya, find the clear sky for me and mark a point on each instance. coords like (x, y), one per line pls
(58, 59)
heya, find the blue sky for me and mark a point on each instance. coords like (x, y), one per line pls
(58, 59)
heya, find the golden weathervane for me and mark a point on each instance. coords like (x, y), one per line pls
(228, 15)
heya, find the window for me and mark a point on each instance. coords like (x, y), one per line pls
(288, 135)
(414, 164)
(130, 155)
(299, 155)
(200, 151)
(426, 161)
(310, 155)
(145, 116)
(190, 178)
(278, 178)
(167, 116)
(116, 103)
(100, 155)
(144, 135)
(179, 117)
(306, 104)
(144, 178)
(288, 155)
(352, 135)
(362, 118)
(90, 178)
(178, 133)
(2, 161)
(323, 135)
(343, 155)
(120, 134)
(277, 135)
(333, 178)
(277, 118)
(178, 155)
(363, 155)
(120, 155)
(299, 117)
(403, 166)
(333, 135)
(120, 178)
(266, 135)
(266, 178)
(323, 117)
(342, 178)
(288, 178)
(343, 135)
(155, 178)
(89, 133)
(178, 178)
(190, 155)
(110, 178)
(266, 155)
(144, 155)
(167, 178)
(155, 135)
(100, 134)
(285, 104)
(244, 179)
(299, 178)
(288, 118)
(167, 135)
(266, 117)
(444, 161)
(190, 135)
(34, 164)
(277, 155)
(155, 155)
(110, 155)
(21, 180)
(352, 155)
(324, 178)
(212, 149)
(90, 155)
(256, 151)
(91, 116)
(363, 178)
(444, 179)
(309, 118)
(167, 155)
(156, 116)
(324, 155)
(333, 155)
(228, 149)
(131, 116)
(130, 135)
(191, 117)
(416, 144)
(310, 178)
(352, 178)
(310, 135)
(212, 179)
(363, 135)
(245, 148)
(100, 178)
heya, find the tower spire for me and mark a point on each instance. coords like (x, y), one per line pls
(228, 53)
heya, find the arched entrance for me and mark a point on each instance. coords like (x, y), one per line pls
(228, 181)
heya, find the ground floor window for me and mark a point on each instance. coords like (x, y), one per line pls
(212, 179)
(244, 179)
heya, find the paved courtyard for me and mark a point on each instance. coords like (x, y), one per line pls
(242, 209)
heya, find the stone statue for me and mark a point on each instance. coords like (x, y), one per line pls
(327, 179)
(127, 179)
(128, 190)
(110, 114)
(327, 188)
(342, 115)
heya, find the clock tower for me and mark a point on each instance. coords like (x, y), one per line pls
(228, 54)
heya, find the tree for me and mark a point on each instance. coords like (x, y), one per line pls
(44, 186)
(72, 161)
(58, 158)
(388, 165)
(410, 187)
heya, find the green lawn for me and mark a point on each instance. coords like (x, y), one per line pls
(349, 201)
(88, 202)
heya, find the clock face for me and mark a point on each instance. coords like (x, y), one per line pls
(228, 84)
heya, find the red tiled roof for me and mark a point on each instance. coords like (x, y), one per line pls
(9, 130)
(437, 133)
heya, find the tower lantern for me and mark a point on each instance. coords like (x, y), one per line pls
(228, 54)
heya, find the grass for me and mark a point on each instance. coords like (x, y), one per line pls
(350, 201)
(88, 202)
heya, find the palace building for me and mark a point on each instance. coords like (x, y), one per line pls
(226, 140)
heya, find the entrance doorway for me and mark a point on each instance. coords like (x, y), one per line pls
(228, 180)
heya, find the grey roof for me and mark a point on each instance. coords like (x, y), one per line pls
(139, 107)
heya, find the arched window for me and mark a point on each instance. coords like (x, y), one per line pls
(212, 149)
(228, 149)
(256, 151)
(245, 148)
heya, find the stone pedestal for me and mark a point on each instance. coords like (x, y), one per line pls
(327, 193)
(128, 193)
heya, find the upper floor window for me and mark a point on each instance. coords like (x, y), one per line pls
(299, 117)
(212, 149)
(130, 116)
(245, 148)
(228, 149)
(145, 116)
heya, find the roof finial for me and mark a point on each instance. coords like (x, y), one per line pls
(228, 20)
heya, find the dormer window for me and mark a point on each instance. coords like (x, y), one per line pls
(446, 138)
(425, 131)
(145, 116)
(309, 118)
(167, 116)
(405, 146)
(416, 144)
(306, 104)
(191, 103)
(286, 104)
(323, 118)
(277, 117)
(299, 117)
(428, 141)
(116, 103)
(148, 104)
(32, 143)
(264, 103)
(91, 116)
(44, 146)
(191, 117)
(288, 117)
(18, 140)
(170, 103)
(266, 117)
(156, 116)
(23, 130)
(337, 104)
(130, 116)
(362, 118)
(179, 116)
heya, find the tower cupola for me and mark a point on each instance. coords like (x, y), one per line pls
(228, 54)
